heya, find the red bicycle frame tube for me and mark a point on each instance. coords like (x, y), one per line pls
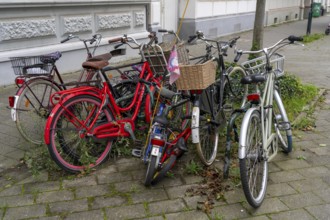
(112, 129)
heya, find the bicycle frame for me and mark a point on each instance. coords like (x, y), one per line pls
(120, 127)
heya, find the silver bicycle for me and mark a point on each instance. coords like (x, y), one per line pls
(265, 123)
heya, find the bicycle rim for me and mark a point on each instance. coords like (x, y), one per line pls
(67, 147)
(33, 108)
(254, 167)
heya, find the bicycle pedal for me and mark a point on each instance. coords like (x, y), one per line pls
(228, 107)
(136, 153)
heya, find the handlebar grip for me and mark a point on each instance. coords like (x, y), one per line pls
(238, 56)
(233, 42)
(191, 38)
(65, 40)
(92, 41)
(114, 40)
(162, 30)
(293, 38)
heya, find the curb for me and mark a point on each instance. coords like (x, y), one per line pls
(309, 106)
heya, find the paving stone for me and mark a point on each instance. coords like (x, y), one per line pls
(102, 201)
(320, 212)
(154, 218)
(269, 205)
(54, 196)
(178, 191)
(263, 217)
(130, 186)
(41, 187)
(106, 170)
(167, 206)
(191, 179)
(41, 177)
(292, 164)
(193, 201)
(149, 196)
(308, 185)
(187, 215)
(272, 167)
(279, 189)
(169, 182)
(68, 206)
(233, 211)
(300, 214)
(234, 196)
(114, 177)
(95, 214)
(91, 191)
(139, 174)
(314, 172)
(321, 151)
(125, 212)
(318, 160)
(285, 176)
(12, 191)
(25, 212)
(15, 201)
(301, 200)
(50, 218)
(131, 166)
(80, 182)
(323, 193)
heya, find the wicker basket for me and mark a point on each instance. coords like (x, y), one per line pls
(158, 55)
(196, 76)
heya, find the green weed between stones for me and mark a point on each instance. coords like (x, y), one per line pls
(312, 37)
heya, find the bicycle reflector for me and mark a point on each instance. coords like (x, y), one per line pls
(19, 81)
(11, 100)
(157, 142)
(254, 97)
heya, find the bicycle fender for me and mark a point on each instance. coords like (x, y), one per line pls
(242, 136)
(195, 125)
(55, 109)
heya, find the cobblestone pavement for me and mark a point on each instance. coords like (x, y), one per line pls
(298, 186)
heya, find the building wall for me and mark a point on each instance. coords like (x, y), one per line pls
(223, 17)
(39, 26)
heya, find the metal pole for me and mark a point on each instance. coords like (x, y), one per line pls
(309, 22)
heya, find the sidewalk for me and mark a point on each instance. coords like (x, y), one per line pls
(298, 187)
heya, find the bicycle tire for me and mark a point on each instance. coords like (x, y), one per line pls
(67, 148)
(208, 133)
(282, 124)
(253, 167)
(151, 170)
(166, 166)
(33, 108)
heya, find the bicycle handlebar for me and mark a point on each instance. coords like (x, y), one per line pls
(270, 50)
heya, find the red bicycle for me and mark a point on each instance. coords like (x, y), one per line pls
(86, 121)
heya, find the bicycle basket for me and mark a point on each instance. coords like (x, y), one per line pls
(196, 76)
(158, 55)
(30, 65)
(257, 65)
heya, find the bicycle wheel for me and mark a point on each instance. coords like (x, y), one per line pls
(234, 91)
(68, 148)
(208, 133)
(166, 166)
(33, 108)
(254, 167)
(152, 166)
(282, 124)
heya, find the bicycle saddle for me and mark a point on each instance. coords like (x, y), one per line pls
(161, 120)
(254, 78)
(97, 62)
